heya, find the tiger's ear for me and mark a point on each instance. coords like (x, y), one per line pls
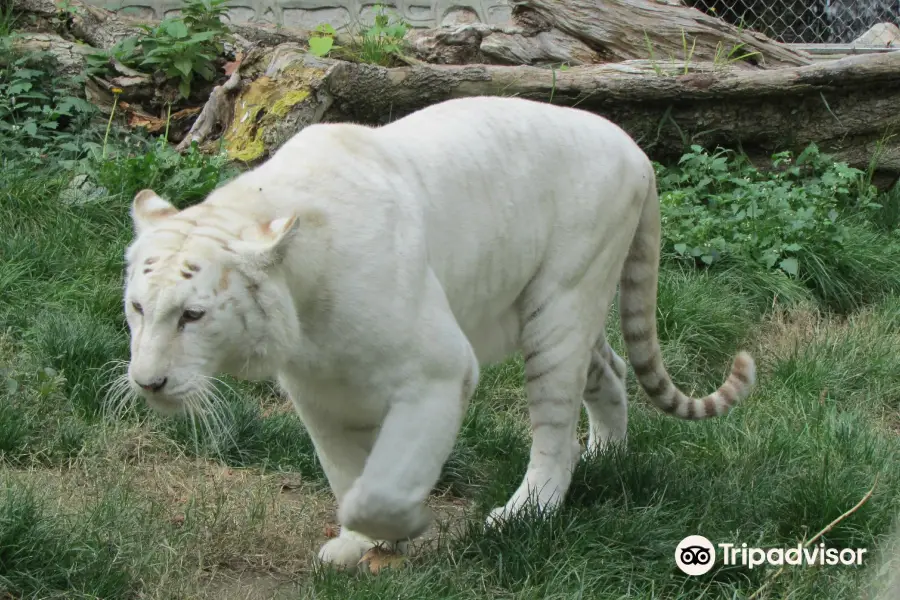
(266, 244)
(149, 210)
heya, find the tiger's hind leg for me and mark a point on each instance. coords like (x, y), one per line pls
(557, 350)
(605, 399)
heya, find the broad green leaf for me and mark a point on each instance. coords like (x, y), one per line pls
(183, 65)
(320, 46)
(27, 73)
(789, 266)
(203, 36)
(17, 88)
(205, 71)
(176, 28)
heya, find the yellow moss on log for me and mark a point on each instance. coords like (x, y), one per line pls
(263, 102)
(283, 104)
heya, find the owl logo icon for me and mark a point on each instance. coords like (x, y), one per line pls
(695, 555)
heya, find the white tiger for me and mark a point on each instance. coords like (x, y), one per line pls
(372, 271)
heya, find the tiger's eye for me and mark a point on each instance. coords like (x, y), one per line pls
(192, 315)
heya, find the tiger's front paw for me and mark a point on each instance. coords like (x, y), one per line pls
(346, 550)
(383, 516)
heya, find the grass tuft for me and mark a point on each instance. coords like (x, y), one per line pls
(50, 555)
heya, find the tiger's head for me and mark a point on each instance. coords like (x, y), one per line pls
(203, 296)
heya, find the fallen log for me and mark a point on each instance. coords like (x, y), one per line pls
(661, 29)
(579, 32)
(847, 106)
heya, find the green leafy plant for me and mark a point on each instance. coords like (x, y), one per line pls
(321, 40)
(182, 176)
(382, 43)
(37, 107)
(172, 48)
(718, 204)
(206, 15)
(384, 39)
(182, 48)
(126, 51)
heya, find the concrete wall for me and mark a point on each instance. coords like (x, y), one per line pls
(306, 14)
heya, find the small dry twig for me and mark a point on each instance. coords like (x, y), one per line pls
(769, 580)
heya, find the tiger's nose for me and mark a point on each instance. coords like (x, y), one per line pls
(154, 385)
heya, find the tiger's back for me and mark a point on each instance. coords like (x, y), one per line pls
(497, 199)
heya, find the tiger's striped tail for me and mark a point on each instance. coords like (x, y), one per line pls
(637, 309)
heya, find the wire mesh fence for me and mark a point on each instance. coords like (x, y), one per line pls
(812, 21)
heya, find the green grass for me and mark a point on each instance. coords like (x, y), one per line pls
(132, 505)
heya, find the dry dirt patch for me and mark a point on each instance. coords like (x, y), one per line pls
(219, 532)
